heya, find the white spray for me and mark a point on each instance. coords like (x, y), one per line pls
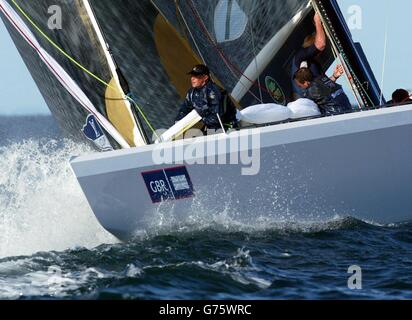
(42, 207)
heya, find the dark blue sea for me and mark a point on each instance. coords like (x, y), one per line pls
(51, 246)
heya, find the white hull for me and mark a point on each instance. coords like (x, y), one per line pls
(357, 165)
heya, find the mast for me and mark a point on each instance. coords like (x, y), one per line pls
(358, 70)
(115, 69)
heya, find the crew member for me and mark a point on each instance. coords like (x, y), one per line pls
(209, 100)
(324, 91)
(312, 47)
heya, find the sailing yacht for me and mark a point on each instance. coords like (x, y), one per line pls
(115, 73)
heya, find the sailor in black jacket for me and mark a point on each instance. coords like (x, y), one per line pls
(205, 97)
(324, 91)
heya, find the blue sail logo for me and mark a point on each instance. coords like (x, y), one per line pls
(94, 132)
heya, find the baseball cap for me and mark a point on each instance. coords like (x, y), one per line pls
(200, 70)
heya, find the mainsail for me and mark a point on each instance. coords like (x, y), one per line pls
(248, 44)
(132, 56)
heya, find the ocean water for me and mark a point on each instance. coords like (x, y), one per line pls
(51, 246)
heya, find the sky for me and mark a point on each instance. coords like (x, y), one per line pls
(19, 94)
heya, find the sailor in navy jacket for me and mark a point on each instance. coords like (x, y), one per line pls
(205, 97)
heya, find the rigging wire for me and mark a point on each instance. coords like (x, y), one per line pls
(256, 60)
(188, 29)
(385, 51)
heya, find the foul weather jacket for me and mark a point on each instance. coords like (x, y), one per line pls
(207, 101)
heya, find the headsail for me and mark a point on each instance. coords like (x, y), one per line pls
(67, 82)
(80, 41)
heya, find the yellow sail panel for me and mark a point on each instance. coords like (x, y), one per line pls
(120, 114)
(176, 55)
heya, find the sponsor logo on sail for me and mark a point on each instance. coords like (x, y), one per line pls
(275, 91)
(230, 21)
(93, 131)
